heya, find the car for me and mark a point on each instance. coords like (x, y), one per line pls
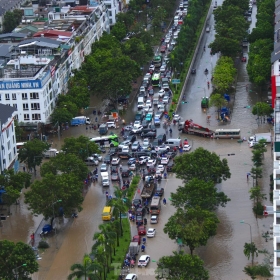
(132, 167)
(164, 160)
(154, 219)
(131, 138)
(152, 68)
(90, 161)
(168, 75)
(136, 202)
(143, 159)
(151, 232)
(187, 148)
(124, 143)
(171, 154)
(157, 121)
(193, 71)
(162, 68)
(97, 156)
(176, 117)
(160, 168)
(131, 276)
(158, 115)
(158, 174)
(186, 142)
(249, 19)
(146, 109)
(144, 260)
(167, 40)
(115, 161)
(139, 220)
(137, 124)
(131, 161)
(147, 147)
(151, 91)
(161, 93)
(149, 117)
(128, 127)
(151, 170)
(136, 238)
(115, 177)
(159, 191)
(149, 103)
(124, 155)
(125, 172)
(162, 148)
(135, 146)
(145, 124)
(160, 105)
(142, 88)
(137, 130)
(141, 230)
(169, 166)
(126, 134)
(145, 84)
(103, 167)
(207, 29)
(165, 99)
(146, 142)
(125, 149)
(162, 48)
(150, 134)
(151, 162)
(111, 124)
(107, 159)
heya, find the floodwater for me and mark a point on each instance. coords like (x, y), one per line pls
(223, 254)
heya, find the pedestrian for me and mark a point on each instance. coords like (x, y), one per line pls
(86, 128)
(96, 119)
(23, 168)
(98, 125)
(96, 177)
(248, 174)
(164, 201)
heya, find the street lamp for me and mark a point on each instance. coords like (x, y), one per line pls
(53, 220)
(242, 222)
(16, 270)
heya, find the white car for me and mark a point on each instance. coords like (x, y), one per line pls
(103, 167)
(173, 42)
(97, 156)
(131, 276)
(167, 40)
(165, 100)
(151, 232)
(124, 143)
(125, 149)
(177, 118)
(115, 161)
(151, 162)
(137, 124)
(137, 129)
(160, 168)
(144, 260)
(146, 142)
(152, 68)
(143, 159)
(149, 103)
(162, 68)
(162, 148)
(158, 115)
(111, 125)
(142, 89)
(187, 148)
(161, 93)
(146, 108)
(164, 160)
(154, 219)
(132, 167)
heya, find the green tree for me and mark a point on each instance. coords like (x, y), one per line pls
(199, 193)
(67, 164)
(119, 30)
(257, 157)
(256, 195)
(55, 192)
(262, 109)
(194, 226)
(17, 260)
(82, 147)
(61, 115)
(217, 100)
(250, 250)
(256, 173)
(181, 266)
(201, 164)
(87, 270)
(257, 270)
(32, 153)
(126, 18)
(9, 22)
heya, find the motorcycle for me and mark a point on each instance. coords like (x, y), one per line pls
(206, 71)
(132, 263)
(74, 215)
(143, 248)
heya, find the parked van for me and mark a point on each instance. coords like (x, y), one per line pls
(140, 103)
(177, 142)
(107, 213)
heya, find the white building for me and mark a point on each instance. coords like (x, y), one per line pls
(41, 66)
(114, 7)
(8, 151)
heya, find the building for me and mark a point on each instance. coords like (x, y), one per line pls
(114, 7)
(37, 70)
(8, 151)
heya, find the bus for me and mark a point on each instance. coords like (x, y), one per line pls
(227, 133)
(155, 205)
(156, 80)
(157, 61)
(106, 141)
(20, 145)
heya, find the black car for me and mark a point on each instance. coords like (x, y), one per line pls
(136, 202)
(169, 166)
(131, 138)
(124, 155)
(140, 211)
(114, 169)
(139, 220)
(127, 133)
(131, 161)
(145, 84)
(150, 134)
(112, 151)
(193, 71)
(159, 191)
(107, 159)
(145, 124)
(125, 172)
(171, 154)
(161, 138)
(148, 129)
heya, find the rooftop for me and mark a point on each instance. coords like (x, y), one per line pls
(6, 112)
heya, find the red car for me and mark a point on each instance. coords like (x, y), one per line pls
(136, 238)
(141, 230)
(186, 141)
(162, 49)
(244, 59)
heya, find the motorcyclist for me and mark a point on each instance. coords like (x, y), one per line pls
(208, 84)
(143, 248)
(206, 70)
(204, 48)
(170, 130)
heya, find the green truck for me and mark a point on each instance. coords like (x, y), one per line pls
(204, 102)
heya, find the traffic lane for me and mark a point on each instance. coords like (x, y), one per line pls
(160, 245)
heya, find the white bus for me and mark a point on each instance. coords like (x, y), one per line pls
(155, 205)
(227, 134)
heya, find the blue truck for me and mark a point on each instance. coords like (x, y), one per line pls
(80, 120)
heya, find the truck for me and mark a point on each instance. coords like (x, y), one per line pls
(258, 136)
(105, 179)
(51, 153)
(134, 249)
(155, 99)
(103, 129)
(192, 128)
(204, 102)
(80, 120)
(149, 187)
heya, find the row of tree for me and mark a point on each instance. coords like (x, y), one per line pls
(231, 27)
(194, 221)
(261, 43)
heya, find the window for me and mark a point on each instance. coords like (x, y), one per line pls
(50, 85)
(15, 106)
(13, 139)
(7, 133)
(25, 106)
(10, 156)
(0, 97)
(35, 106)
(34, 95)
(9, 145)
(14, 96)
(7, 96)
(36, 117)
(14, 151)
(26, 117)
(24, 96)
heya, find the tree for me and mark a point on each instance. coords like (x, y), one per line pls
(262, 109)
(199, 193)
(201, 164)
(256, 195)
(257, 270)
(194, 226)
(250, 250)
(61, 115)
(17, 260)
(82, 147)
(256, 172)
(257, 157)
(9, 22)
(55, 193)
(181, 266)
(88, 270)
(119, 30)
(67, 164)
(217, 100)
(32, 153)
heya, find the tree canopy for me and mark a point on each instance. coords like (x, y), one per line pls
(11, 20)
(201, 164)
(262, 109)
